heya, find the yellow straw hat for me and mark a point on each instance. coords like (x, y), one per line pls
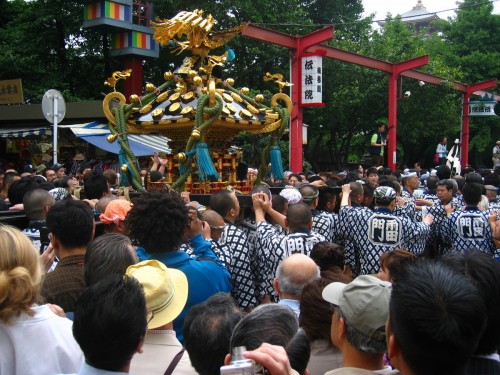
(166, 290)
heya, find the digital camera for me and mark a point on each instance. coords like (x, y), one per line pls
(242, 366)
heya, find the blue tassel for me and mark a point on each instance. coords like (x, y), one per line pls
(276, 163)
(231, 55)
(206, 167)
(183, 165)
(122, 159)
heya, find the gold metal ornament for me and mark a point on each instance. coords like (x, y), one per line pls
(188, 97)
(252, 109)
(192, 31)
(197, 80)
(134, 98)
(157, 114)
(162, 97)
(259, 97)
(187, 110)
(192, 73)
(245, 90)
(227, 98)
(116, 76)
(196, 134)
(181, 156)
(124, 168)
(231, 108)
(236, 97)
(150, 87)
(175, 108)
(145, 109)
(112, 137)
(175, 97)
(278, 79)
(245, 114)
(230, 82)
(168, 76)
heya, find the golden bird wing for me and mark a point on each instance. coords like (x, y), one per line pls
(166, 30)
(219, 38)
(189, 24)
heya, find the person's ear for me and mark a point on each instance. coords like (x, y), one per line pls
(393, 350)
(286, 223)
(227, 359)
(122, 227)
(139, 345)
(54, 241)
(276, 285)
(342, 328)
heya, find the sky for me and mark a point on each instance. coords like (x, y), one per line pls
(382, 7)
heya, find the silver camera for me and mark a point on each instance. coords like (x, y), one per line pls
(240, 365)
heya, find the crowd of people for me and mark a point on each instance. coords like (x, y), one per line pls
(351, 272)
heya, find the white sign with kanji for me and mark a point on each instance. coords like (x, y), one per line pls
(482, 108)
(312, 80)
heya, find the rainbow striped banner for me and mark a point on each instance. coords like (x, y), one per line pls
(133, 39)
(107, 9)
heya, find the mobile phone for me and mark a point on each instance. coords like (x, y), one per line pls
(43, 247)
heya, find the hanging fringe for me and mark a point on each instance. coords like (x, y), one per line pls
(276, 163)
(206, 167)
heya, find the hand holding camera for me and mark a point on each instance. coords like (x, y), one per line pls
(267, 359)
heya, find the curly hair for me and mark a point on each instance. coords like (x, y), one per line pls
(158, 221)
(20, 274)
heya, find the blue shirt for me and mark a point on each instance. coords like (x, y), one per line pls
(205, 273)
(468, 230)
(375, 232)
(291, 303)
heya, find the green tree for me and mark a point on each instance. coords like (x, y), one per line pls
(473, 44)
(44, 44)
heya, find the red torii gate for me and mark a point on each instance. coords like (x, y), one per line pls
(311, 43)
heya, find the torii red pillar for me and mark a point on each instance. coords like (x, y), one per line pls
(392, 115)
(469, 90)
(299, 44)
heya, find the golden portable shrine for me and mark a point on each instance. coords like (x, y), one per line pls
(198, 112)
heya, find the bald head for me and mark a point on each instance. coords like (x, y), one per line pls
(299, 217)
(356, 194)
(293, 273)
(216, 223)
(212, 218)
(104, 201)
(36, 203)
(310, 195)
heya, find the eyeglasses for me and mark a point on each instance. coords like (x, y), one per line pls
(217, 227)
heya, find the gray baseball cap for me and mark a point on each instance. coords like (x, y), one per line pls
(364, 303)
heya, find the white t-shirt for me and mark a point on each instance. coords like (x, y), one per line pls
(40, 344)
